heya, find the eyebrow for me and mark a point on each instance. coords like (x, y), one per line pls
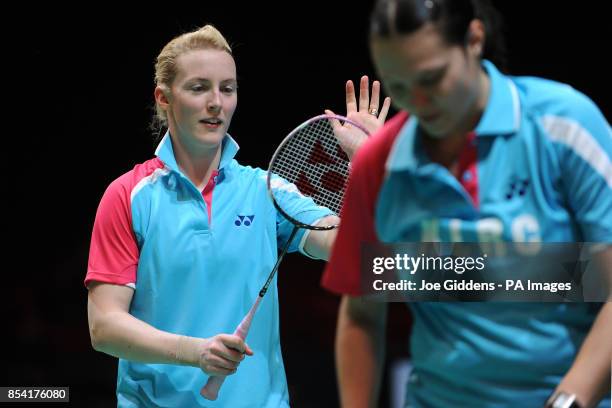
(198, 79)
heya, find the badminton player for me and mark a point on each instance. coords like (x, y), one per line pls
(183, 242)
(474, 155)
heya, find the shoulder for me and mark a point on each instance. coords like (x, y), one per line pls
(542, 97)
(130, 182)
(566, 117)
(245, 174)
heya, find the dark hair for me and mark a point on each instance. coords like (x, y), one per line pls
(452, 17)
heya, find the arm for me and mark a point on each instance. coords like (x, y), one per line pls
(320, 243)
(360, 350)
(589, 375)
(589, 196)
(116, 332)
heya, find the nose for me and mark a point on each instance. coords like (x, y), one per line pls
(419, 98)
(214, 102)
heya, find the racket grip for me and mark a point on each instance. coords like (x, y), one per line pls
(210, 391)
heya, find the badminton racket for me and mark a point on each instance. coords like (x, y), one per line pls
(309, 162)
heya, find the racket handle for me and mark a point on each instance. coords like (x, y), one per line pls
(210, 391)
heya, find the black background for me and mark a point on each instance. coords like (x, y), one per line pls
(77, 110)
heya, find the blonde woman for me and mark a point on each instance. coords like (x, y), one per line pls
(182, 243)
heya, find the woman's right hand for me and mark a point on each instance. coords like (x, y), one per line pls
(116, 332)
(221, 354)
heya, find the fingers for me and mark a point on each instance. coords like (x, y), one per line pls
(213, 364)
(227, 354)
(215, 368)
(235, 347)
(218, 361)
(364, 94)
(375, 97)
(223, 353)
(367, 104)
(351, 102)
(384, 111)
(367, 112)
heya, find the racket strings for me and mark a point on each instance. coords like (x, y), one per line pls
(313, 160)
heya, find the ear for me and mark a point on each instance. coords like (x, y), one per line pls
(476, 38)
(162, 96)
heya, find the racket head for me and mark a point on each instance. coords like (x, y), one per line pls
(310, 161)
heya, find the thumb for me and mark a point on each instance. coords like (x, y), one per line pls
(335, 123)
(247, 350)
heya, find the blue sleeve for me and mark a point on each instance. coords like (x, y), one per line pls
(583, 139)
(298, 206)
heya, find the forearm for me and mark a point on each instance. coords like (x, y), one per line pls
(122, 335)
(360, 350)
(320, 243)
(589, 376)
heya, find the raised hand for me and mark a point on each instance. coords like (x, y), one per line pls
(366, 113)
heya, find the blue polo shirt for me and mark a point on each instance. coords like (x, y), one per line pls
(553, 140)
(544, 174)
(197, 276)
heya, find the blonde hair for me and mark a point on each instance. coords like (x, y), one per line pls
(206, 37)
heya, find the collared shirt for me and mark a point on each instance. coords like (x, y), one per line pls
(197, 270)
(544, 174)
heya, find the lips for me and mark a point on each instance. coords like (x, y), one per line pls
(211, 121)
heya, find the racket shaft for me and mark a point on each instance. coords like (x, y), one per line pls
(264, 289)
(211, 389)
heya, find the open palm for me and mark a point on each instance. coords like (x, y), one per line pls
(365, 113)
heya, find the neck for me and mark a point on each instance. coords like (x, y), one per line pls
(445, 151)
(478, 106)
(197, 166)
(484, 89)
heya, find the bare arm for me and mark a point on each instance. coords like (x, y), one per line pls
(113, 330)
(360, 350)
(320, 243)
(589, 375)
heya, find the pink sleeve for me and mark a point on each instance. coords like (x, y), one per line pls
(113, 254)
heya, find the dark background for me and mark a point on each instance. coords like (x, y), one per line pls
(80, 100)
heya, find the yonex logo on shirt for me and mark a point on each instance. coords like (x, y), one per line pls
(517, 186)
(245, 220)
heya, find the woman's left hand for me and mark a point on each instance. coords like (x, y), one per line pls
(366, 113)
